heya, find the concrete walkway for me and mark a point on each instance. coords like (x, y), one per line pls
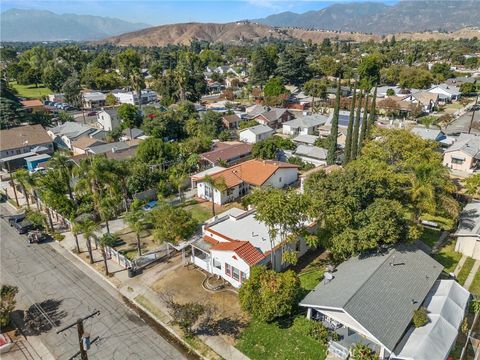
(471, 276)
(137, 289)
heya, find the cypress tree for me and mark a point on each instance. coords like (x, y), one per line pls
(348, 140)
(356, 128)
(332, 148)
(363, 129)
(371, 120)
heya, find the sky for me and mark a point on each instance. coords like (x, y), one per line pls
(158, 12)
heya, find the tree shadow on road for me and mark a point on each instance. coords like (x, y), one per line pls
(42, 317)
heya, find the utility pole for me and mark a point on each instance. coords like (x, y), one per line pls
(82, 336)
(473, 115)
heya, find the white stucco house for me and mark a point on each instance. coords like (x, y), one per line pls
(235, 241)
(256, 133)
(93, 99)
(304, 125)
(131, 97)
(468, 231)
(446, 93)
(314, 155)
(371, 300)
(464, 154)
(237, 180)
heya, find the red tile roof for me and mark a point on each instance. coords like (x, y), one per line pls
(246, 251)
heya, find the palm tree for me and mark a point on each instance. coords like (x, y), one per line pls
(107, 208)
(215, 184)
(104, 241)
(76, 229)
(63, 165)
(136, 220)
(88, 228)
(24, 179)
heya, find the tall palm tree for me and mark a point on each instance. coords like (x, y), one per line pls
(88, 228)
(63, 165)
(106, 240)
(137, 221)
(215, 184)
(23, 178)
(76, 229)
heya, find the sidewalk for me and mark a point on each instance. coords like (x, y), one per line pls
(137, 289)
(472, 274)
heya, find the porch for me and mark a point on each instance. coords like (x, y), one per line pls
(201, 255)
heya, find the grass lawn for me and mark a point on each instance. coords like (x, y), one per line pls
(465, 270)
(30, 91)
(199, 212)
(475, 286)
(430, 236)
(311, 277)
(443, 222)
(447, 256)
(273, 341)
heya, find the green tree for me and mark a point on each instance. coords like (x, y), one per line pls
(441, 71)
(363, 352)
(267, 295)
(55, 75)
(171, 225)
(468, 89)
(89, 228)
(369, 70)
(415, 77)
(270, 147)
(106, 240)
(23, 178)
(130, 117)
(315, 88)
(263, 66)
(217, 184)
(7, 303)
(356, 128)
(63, 167)
(363, 130)
(292, 65)
(472, 185)
(326, 65)
(332, 150)
(274, 87)
(137, 221)
(351, 120)
(371, 119)
(72, 88)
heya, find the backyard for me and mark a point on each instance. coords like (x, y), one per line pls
(430, 236)
(127, 245)
(475, 286)
(447, 256)
(201, 210)
(465, 271)
(30, 91)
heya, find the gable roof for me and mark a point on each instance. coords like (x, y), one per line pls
(426, 133)
(307, 121)
(85, 142)
(425, 97)
(21, 136)
(71, 129)
(449, 89)
(313, 152)
(226, 152)
(254, 172)
(259, 129)
(231, 119)
(272, 115)
(113, 147)
(305, 139)
(469, 224)
(380, 291)
(467, 143)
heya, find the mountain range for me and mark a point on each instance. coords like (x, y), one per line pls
(379, 18)
(42, 25)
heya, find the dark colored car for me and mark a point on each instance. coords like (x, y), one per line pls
(12, 220)
(92, 113)
(24, 226)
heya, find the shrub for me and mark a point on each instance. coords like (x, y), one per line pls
(311, 328)
(267, 295)
(420, 317)
(363, 352)
(7, 303)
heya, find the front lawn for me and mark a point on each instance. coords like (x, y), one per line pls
(447, 256)
(430, 236)
(200, 212)
(276, 340)
(465, 270)
(30, 91)
(475, 286)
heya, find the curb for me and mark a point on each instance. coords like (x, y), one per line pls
(124, 297)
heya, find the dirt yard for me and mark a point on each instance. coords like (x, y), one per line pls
(184, 284)
(129, 249)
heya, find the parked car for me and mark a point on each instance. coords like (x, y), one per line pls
(23, 226)
(12, 220)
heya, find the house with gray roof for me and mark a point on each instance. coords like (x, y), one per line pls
(468, 231)
(256, 133)
(274, 118)
(108, 119)
(304, 125)
(464, 154)
(429, 134)
(371, 299)
(446, 93)
(118, 146)
(314, 155)
(65, 134)
(305, 139)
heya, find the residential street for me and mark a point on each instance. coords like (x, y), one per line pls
(43, 274)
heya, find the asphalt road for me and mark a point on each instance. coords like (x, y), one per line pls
(43, 274)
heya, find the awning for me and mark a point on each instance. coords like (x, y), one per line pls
(446, 305)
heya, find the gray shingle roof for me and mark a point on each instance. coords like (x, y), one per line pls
(260, 129)
(468, 143)
(307, 121)
(313, 152)
(71, 129)
(427, 134)
(381, 292)
(469, 223)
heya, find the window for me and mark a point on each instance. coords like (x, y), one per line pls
(236, 273)
(217, 264)
(228, 269)
(280, 179)
(243, 277)
(457, 161)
